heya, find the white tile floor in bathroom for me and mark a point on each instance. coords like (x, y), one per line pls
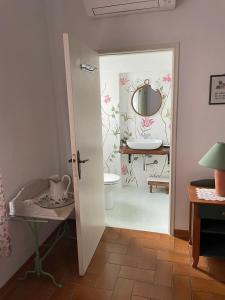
(136, 208)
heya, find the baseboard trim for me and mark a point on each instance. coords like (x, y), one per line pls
(181, 234)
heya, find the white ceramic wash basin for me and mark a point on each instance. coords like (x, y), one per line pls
(146, 144)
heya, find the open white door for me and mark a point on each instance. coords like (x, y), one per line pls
(84, 104)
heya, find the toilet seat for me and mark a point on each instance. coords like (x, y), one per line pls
(110, 178)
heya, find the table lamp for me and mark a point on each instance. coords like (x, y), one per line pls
(215, 159)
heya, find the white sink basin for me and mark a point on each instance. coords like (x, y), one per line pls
(146, 144)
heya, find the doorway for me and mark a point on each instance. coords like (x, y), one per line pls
(82, 67)
(143, 197)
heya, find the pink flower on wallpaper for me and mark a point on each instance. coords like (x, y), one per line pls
(169, 126)
(124, 80)
(107, 99)
(147, 122)
(124, 169)
(167, 78)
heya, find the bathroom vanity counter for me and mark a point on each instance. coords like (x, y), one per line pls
(160, 151)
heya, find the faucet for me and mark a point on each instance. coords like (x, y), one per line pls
(145, 164)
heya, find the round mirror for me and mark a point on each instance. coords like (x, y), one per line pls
(146, 101)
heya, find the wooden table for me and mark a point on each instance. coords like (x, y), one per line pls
(206, 227)
(158, 182)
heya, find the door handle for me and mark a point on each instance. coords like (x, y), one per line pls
(83, 161)
(79, 162)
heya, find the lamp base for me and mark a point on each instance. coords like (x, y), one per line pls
(220, 182)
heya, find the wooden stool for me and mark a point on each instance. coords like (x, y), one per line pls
(158, 182)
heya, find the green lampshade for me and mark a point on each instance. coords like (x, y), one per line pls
(215, 157)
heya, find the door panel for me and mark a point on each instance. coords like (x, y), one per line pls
(84, 104)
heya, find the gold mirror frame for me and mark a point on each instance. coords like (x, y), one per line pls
(146, 82)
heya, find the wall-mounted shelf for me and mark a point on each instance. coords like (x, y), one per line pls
(160, 151)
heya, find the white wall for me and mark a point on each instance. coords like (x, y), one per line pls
(199, 27)
(28, 132)
(65, 16)
(54, 15)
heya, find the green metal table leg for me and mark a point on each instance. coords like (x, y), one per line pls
(38, 269)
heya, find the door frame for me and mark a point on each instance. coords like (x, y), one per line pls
(175, 48)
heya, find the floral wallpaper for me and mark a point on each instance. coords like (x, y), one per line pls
(136, 126)
(121, 122)
(5, 249)
(111, 123)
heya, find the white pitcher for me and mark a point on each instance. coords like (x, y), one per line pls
(58, 190)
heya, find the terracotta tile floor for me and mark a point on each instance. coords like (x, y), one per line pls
(128, 265)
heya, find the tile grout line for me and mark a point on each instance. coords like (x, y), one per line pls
(113, 290)
(131, 296)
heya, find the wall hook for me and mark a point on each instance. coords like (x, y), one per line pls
(87, 67)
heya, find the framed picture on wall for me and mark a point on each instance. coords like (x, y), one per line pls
(217, 89)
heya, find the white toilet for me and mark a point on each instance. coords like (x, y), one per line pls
(111, 181)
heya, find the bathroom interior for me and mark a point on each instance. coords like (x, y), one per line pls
(137, 176)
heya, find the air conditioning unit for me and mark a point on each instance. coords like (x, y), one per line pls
(106, 8)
